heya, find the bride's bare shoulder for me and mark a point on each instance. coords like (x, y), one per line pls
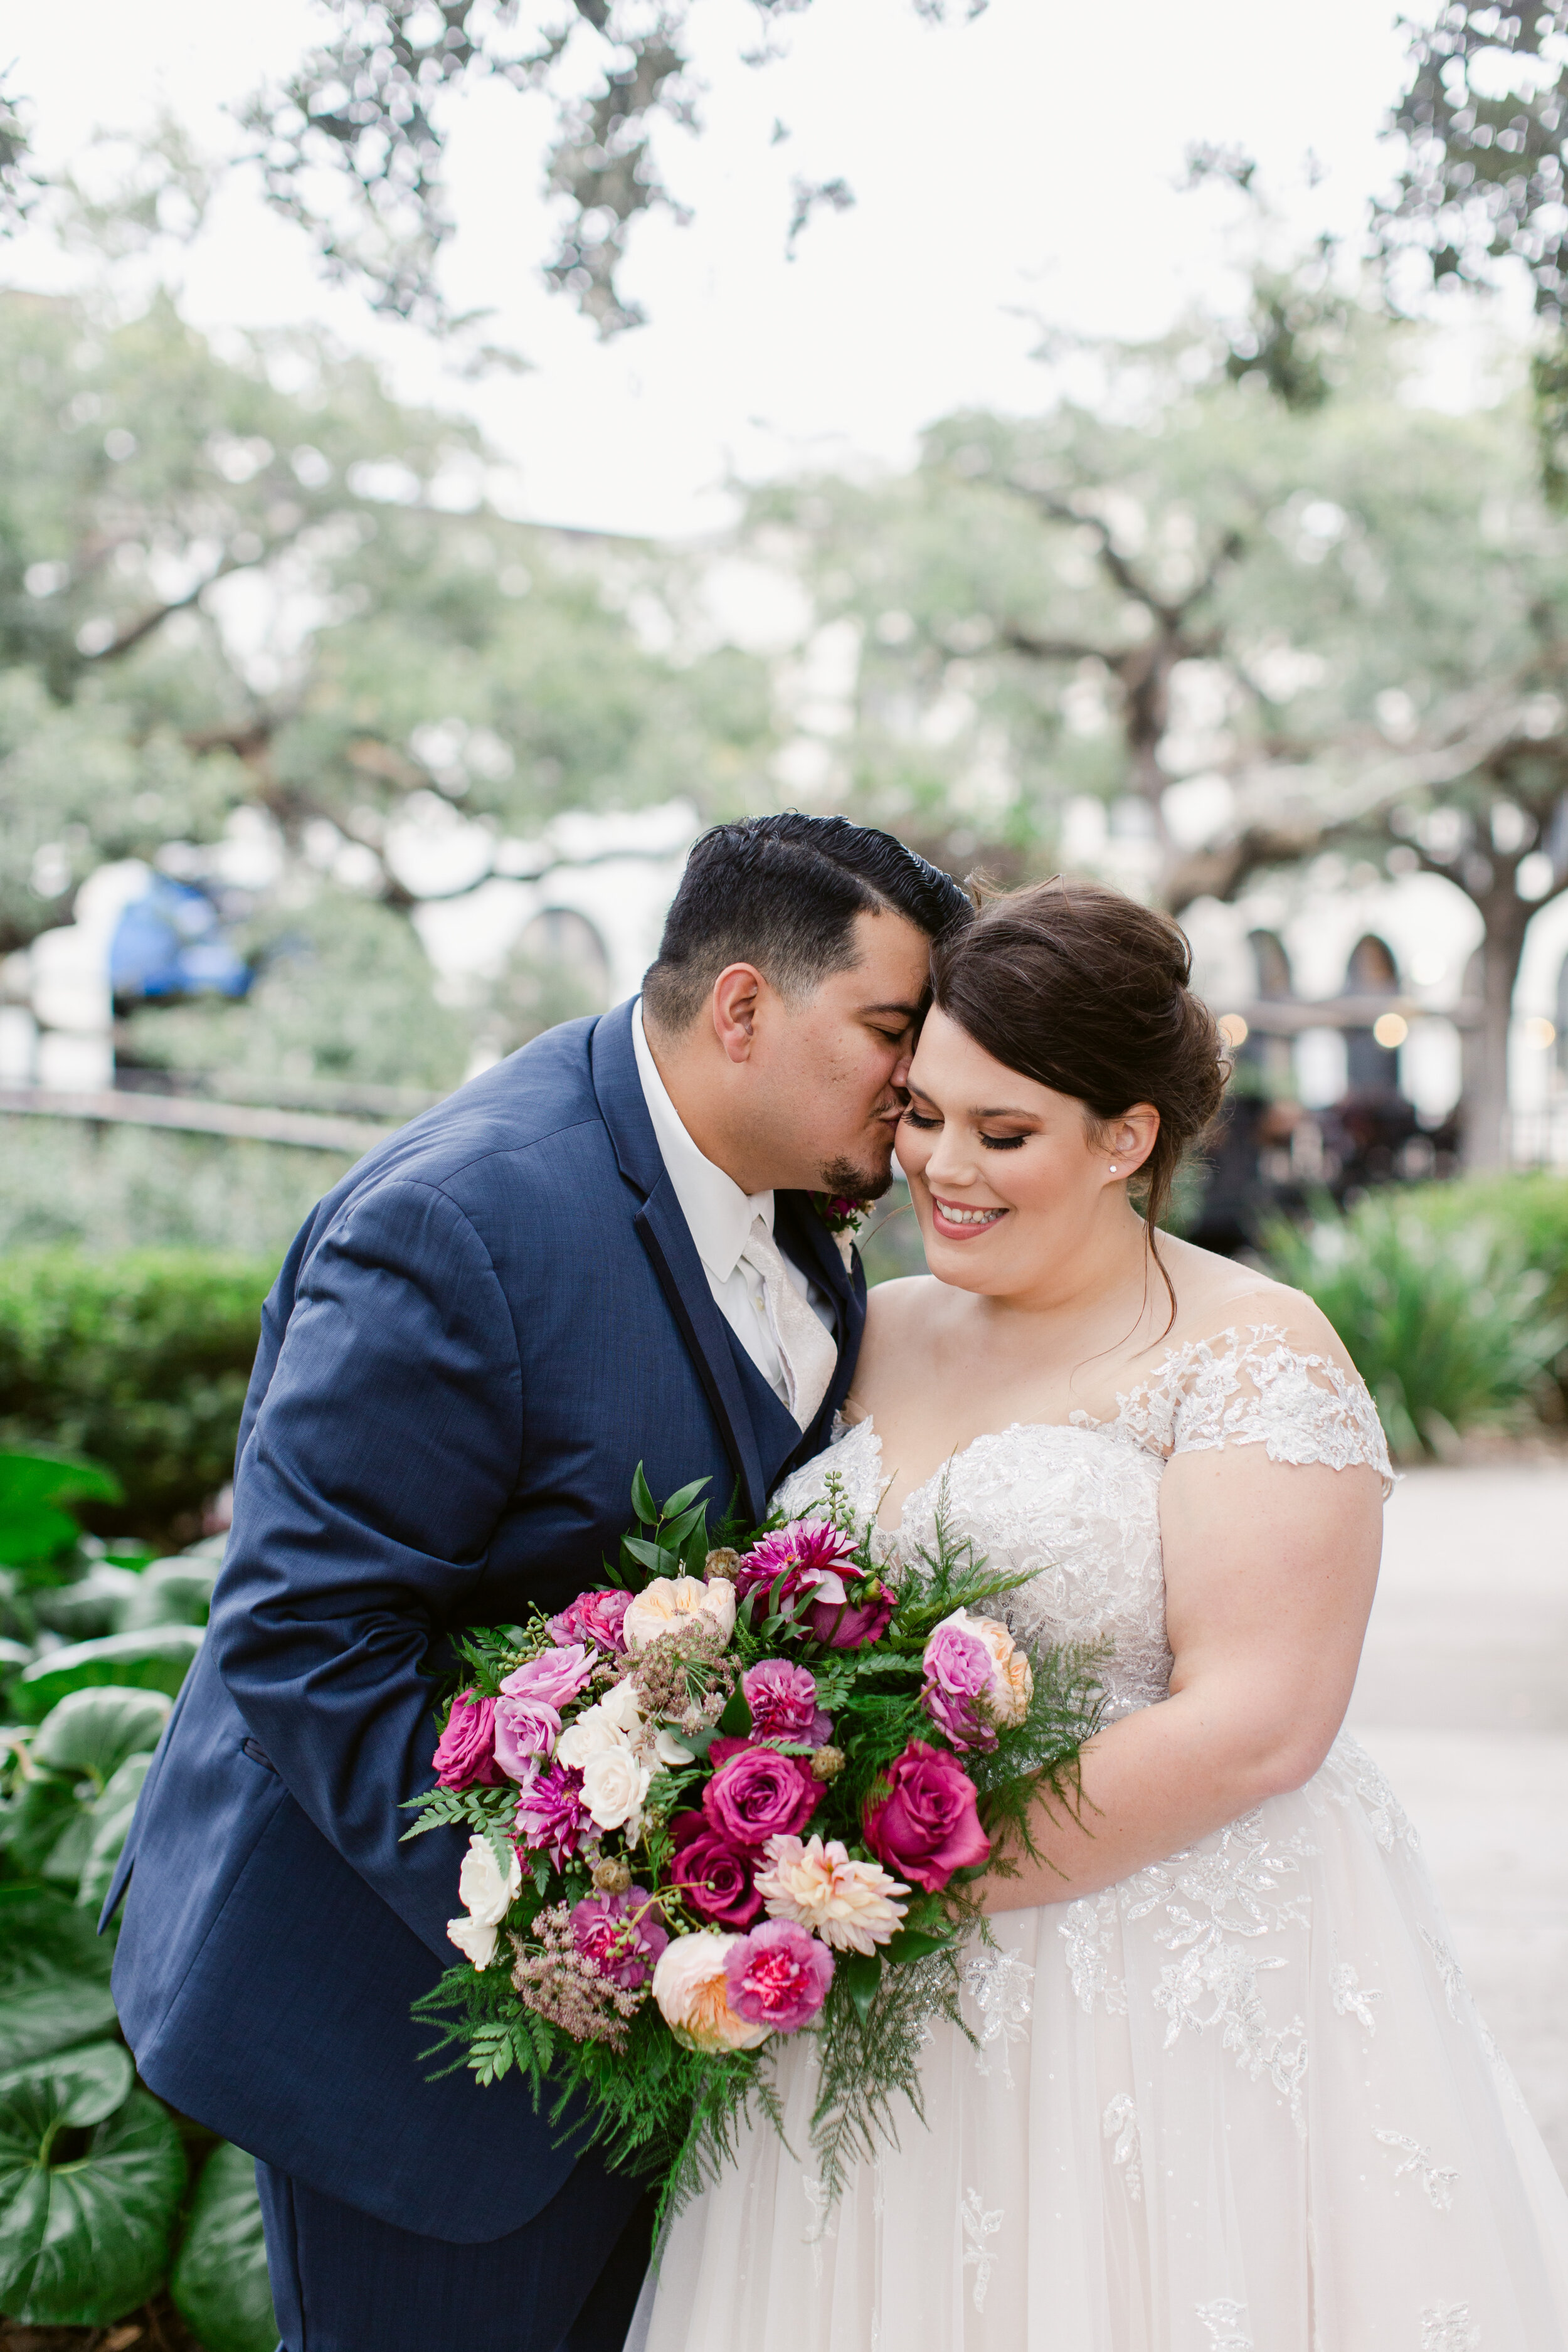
(895, 1308)
(1215, 1294)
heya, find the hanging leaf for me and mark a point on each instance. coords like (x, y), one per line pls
(109, 1824)
(643, 1504)
(93, 1731)
(84, 2224)
(100, 2077)
(157, 1659)
(54, 1976)
(171, 1593)
(33, 1489)
(219, 2283)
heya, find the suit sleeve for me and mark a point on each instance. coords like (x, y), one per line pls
(368, 1490)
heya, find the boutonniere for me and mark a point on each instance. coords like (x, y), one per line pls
(843, 1217)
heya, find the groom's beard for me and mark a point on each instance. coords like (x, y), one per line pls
(842, 1179)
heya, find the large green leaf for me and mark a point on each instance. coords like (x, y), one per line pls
(84, 2228)
(86, 1610)
(38, 1817)
(219, 2283)
(91, 1732)
(54, 1976)
(97, 2077)
(171, 1593)
(33, 1487)
(109, 1821)
(158, 1659)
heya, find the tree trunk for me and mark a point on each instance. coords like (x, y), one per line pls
(1486, 1144)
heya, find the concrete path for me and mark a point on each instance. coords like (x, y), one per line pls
(1463, 1699)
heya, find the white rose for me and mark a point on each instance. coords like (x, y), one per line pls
(487, 1896)
(669, 1749)
(614, 1787)
(672, 1602)
(689, 1986)
(595, 1732)
(619, 1707)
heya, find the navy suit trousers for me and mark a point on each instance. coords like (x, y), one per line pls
(566, 2282)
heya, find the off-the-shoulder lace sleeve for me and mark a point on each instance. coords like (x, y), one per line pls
(1253, 1387)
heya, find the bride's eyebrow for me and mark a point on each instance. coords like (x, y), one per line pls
(1004, 1113)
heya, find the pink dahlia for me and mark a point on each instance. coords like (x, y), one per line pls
(806, 1556)
(550, 1812)
(623, 1935)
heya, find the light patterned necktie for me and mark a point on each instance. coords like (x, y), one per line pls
(806, 1350)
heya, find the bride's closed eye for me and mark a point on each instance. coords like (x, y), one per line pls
(991, 1143)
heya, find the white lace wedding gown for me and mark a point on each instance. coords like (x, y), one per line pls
(1240, 2101)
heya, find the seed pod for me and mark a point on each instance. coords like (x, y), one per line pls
(611, 1878)
(826, 1763)
(722, 1562)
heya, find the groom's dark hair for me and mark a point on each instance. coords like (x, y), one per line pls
(783, 892)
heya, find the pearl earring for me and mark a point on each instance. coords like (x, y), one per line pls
(1113, 1167)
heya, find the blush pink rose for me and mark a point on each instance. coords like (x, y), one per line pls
(465, 1753)
(926, 1827)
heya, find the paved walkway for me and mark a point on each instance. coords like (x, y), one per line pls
(1463, 1698)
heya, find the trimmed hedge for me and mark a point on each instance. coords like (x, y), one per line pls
(139, 1361)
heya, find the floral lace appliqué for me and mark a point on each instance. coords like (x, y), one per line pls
(1448, 2327)
(999, 1984)
(1119, 2123)
(1437, 2179)
(1222, 2320)
(978, 2229)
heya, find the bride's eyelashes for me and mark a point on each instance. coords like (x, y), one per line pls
(992, 1142)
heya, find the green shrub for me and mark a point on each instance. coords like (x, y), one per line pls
(139, 1361)
(1449, 1328)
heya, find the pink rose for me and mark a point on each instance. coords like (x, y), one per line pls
(465, 1753)
(777, 1976)
(550, 1812)
(783, 1700)
(623, 1935)
(958, 1676)
(926, 1827)
(714, 1876)
(756, 1793)
(594, 1617)
(554, 1679)
(854, 1623)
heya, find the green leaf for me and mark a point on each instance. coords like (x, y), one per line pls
(647, 1555)
(683, 1498)
(109, 1824)
(673, 1532)
(912, 1944)
(46, 1808)
(736, 1723)
(158, 1659)
(93, 1731)
(171, 1593)
(54, 1976)
(86, 1610)
(84, 2234)
(96, 2079)
(219, 2283)
(33, 1487)
(643, 1504)
(860, 1975)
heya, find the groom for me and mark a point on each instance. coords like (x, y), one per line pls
(600, 1253)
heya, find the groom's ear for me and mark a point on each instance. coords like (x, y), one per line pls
(737, 992)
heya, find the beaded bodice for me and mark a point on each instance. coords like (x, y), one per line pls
(1076, 1504)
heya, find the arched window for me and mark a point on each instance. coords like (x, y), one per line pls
(1272, 965)
(1370, 1068)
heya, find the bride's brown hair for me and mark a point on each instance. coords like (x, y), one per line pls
(1089, 994)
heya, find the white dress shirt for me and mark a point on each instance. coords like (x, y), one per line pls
(719, 1217)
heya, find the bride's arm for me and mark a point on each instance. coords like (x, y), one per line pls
(1269, 1573)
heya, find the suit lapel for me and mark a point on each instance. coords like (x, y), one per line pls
(665, 1234)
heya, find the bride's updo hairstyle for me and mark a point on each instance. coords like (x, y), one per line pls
(1089, 994)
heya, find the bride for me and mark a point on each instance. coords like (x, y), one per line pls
(1227, 2090)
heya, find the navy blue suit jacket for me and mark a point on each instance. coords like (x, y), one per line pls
(473, 1342)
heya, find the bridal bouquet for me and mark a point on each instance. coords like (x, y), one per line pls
(736, 1795)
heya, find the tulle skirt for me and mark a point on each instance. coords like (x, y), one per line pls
(1241, 2102)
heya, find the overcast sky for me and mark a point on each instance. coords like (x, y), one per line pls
(1024, 167)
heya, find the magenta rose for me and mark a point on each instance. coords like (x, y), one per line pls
(714, 1876)
(783, 1700)
(465, 1753)
(804, 1557)
(623, 1935)
(778, 1976)
(756, 1793)
(958, 1672)
(550, 1813)
(926, 1827)
(854, 1623)
(594, 1617)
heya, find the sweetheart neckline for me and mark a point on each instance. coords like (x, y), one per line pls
(1087, 1426)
